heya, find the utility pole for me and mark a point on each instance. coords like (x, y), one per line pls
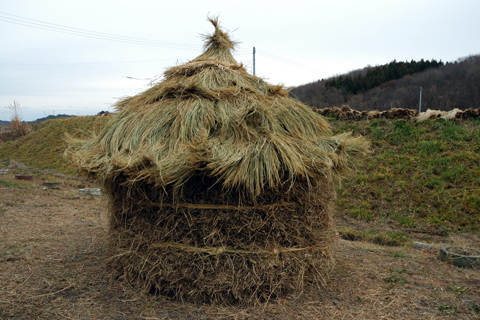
(253, 60)
(420, 102)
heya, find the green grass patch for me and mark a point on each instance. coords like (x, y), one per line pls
(399, 255)
(361, 214)
(12, 185)
(397, 277)
(424, 175)
(456, 289)
(448, 308)
(476, 308)
(427, 148)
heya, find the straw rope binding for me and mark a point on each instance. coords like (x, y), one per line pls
(223, 207)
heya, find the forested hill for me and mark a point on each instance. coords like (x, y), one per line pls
(375, 76)
(397, 84)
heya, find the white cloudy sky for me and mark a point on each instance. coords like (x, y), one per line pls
(52, 72)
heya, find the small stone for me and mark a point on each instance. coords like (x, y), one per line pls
(422, 245)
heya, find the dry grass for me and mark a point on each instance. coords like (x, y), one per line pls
(16, 115)
(17, 128)
(346, 113)
(52, 262)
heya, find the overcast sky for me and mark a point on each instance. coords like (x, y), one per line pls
(49, 67)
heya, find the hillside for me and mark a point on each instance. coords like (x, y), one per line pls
(453, 85)
(40, 120)
(420, 175)
(44, 148)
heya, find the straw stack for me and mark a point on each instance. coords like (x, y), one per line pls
(220, 185)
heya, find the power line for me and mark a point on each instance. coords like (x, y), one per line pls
(286, 61)
(53, 27)
(95, 33)
(5, 17)
(244, 50)
(247, 64)
(81, 63)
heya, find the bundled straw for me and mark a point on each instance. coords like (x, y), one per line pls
(346, 113)
(220, 184)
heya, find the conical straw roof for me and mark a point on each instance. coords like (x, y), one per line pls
(210, 117)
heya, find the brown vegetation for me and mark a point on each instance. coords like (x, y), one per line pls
(17, 128)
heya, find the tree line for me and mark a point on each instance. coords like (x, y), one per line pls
(376, 76)
(445, 86)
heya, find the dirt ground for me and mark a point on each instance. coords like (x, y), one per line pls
(52, 256)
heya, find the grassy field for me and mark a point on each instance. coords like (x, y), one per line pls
(419, 184)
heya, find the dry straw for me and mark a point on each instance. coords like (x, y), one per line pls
(220, 185)
(346, 113)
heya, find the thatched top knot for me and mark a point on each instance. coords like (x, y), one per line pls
(218, 46)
